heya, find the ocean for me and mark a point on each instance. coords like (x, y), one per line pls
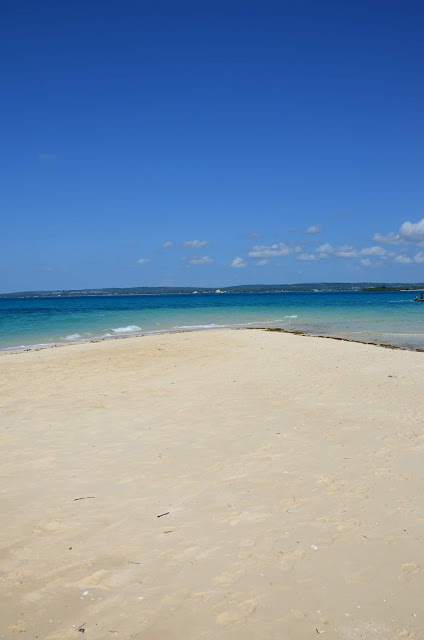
(387, 317)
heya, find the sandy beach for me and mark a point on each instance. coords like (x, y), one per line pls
(219, 484)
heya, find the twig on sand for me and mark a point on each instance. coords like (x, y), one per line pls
(163, 514)
(85, 498)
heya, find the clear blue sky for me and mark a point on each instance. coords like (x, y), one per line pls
(131, 124)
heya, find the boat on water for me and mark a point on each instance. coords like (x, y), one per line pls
(419, 299)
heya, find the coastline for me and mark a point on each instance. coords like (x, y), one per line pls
(217, 484)
(364, 317)
(297, 332)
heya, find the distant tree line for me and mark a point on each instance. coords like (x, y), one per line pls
(244, 288)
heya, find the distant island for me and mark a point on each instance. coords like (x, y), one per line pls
(314, 287)
(395, 287)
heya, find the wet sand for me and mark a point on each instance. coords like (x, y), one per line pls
(222, 484)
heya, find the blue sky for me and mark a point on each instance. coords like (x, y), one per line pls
(210, 143)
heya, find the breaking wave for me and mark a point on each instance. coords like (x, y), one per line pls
(130, 329)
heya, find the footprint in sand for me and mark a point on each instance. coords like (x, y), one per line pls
(227, 578)
(408, 571)
(288, 561)
(230, 611)
(232, 519)
(246, 548)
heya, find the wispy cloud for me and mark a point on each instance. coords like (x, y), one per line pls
(418, 258)
(43, 157)
(307, 257)
(348, 251)
(254, 234)
(272, 251)
(132, 245)
(195, 244)
(314, 228)
(373, 251)
(409, 232)
(203, 260)
(167, 245)
(401, 259)
(143, 260)
(238, 263)
(325, 250)
(261, 263)
(390, 238)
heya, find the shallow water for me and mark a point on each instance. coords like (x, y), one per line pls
(381, 317)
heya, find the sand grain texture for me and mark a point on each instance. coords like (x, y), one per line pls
(292, 469)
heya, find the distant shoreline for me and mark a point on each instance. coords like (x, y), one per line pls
(134, 295)
(303, 287)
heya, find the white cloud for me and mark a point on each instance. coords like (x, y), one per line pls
(324, 250)
(143, 260)
(418, 258)
(413, 231)
(261, 263)
(390, 238)
(167, 245)
(273, 251)
(402, 259)
(203, 260)
(238, 263)
(409, 232)
(348, 251)
(307, 257)
(372, 251)
(195, 244)
(366, 262)
(314, 228)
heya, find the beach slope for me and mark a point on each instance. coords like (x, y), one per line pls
(222, 484)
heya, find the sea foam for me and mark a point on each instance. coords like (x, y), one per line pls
(201, 326)
(129, 329)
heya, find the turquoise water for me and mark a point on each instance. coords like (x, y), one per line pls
(390, 317)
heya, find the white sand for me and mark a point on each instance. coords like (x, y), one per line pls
(292, 469)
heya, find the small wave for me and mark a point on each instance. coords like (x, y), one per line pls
(129, 329)
(200, 326)
(19, 346)
(73, 336)
(232, 324)
(261, 322)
